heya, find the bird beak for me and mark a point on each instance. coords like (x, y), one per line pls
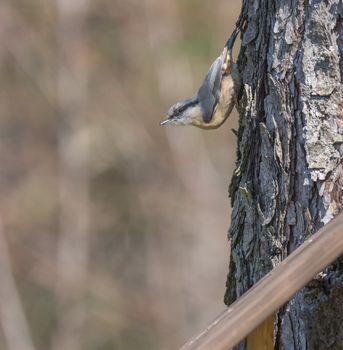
(166, 121)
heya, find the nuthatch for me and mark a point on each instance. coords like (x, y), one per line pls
(215, 99)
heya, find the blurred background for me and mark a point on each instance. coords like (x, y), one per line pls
(113, 230)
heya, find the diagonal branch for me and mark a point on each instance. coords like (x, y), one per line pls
(272, 291)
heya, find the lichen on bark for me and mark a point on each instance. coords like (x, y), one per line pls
(289, 174)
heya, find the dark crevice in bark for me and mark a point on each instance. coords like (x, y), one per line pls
(289, 174)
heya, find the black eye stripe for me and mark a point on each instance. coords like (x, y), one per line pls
(179, 110)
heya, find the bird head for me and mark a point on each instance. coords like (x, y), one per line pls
(183, 112)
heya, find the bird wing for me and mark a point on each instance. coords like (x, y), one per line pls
(208, 93)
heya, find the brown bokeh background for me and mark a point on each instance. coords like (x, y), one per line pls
(112, 228)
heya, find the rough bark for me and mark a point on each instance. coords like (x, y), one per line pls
(289, 176)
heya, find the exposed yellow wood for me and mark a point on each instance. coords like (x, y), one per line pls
(262, 337)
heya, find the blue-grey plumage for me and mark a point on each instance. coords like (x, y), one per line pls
(215, 99)
(208, 93)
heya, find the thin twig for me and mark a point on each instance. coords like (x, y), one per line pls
(74, 177)
(12, 315)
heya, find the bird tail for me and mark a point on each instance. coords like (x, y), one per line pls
(227, 52)
(229, 44)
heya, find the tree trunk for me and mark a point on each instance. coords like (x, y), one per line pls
(289, 176)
